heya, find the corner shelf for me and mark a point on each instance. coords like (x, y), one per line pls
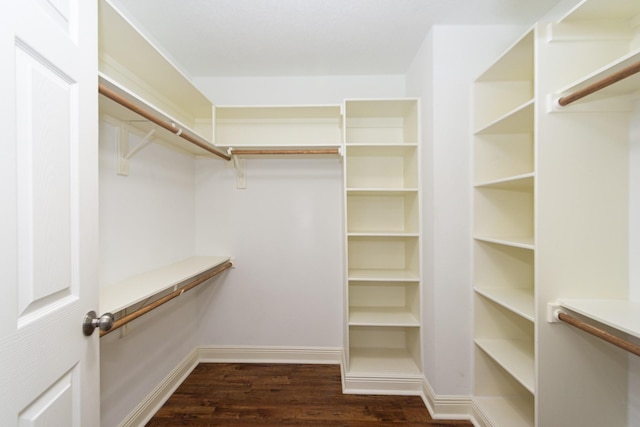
(133, 290)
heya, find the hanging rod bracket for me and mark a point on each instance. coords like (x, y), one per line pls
(240, 166)
(553, 309)
(122, 148)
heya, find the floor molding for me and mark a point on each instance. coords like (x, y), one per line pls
(440, 407)
(443, 407)
(154, 400)
(260, 354)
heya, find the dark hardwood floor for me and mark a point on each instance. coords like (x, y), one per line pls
(236, 394)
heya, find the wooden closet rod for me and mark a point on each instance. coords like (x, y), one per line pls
(600, 84)
(147, 308)
(597, 332)
(241, 152)
(102, 89)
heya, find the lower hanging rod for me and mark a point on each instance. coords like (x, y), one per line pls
(600, 84)
(104, 90)
(599, 333)
(147, 308)
(325, 151)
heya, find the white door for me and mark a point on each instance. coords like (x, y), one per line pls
(49, 371)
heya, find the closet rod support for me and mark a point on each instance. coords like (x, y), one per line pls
(171, 127)
(600, 84)
(599, 333)
(142, 144)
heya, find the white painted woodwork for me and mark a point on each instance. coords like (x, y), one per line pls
(134, 67)
(504, 233)
(559, 177)
(48, 175)
(297, 126)
(382, 220)
(130, 291)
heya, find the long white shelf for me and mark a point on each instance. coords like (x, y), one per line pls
(118, 296)
(518, 300)
(522, 182)
(515, 356)
(382, 316)
(383, 275)
(622, 315)
(629, 85)
(519, 120)
(523, 242)
(117, 111)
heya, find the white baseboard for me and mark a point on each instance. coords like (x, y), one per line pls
(154, 400)
(259, 354)
(448, 407)
(365, 384)
(440, 407)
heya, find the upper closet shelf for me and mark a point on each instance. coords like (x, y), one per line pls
(619, 78)
(279, 128)
(619, 314)
(132, 67)
(133, 290)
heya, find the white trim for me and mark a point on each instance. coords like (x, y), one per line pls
(477, 416)
(449, 407)
(260, 354)
(154, 400)
(363, 384)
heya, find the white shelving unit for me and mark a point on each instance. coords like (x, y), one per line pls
(552, 223)
(582, 239)
(299, 126)
(134, 68)
(382, 218)
(504, 241)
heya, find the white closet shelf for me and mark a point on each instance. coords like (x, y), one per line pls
(118, 296)
(524, 242)
(622, 88)
(619, 314)
(519, 120)
(610, 10)
(521, 182)
(278, 126)
(125, 115)
(515, 356)
(382, 316)
(507, 411)
(518, 300)
(380, 275)
(131, 59)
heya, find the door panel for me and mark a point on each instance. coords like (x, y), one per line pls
(48, 188)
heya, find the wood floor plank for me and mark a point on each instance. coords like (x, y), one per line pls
(240, 394)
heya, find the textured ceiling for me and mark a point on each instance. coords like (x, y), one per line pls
(309, 37)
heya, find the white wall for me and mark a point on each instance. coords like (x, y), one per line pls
(316, 90)
(285, 229)
(146, 221)
(442, 72)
